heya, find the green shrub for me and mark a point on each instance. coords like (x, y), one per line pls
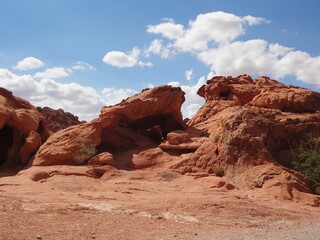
(307, 161)
(86, 150)
(218, 171)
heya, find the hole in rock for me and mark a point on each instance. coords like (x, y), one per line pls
(278, 143)
(6, 141)
(225, 95)
(155, 127)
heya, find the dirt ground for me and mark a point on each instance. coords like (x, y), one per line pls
(63, 203)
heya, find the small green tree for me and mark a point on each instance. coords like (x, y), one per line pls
(86, 150)
(307, 160)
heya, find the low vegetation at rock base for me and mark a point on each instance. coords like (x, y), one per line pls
(307, 160)
(217, 171)
(86, 150)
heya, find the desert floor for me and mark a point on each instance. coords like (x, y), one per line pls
(143, 204)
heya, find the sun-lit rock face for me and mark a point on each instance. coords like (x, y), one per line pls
(253, 128)
(22, 131)
(247, 130)
(139, 122)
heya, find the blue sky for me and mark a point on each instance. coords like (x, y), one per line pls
(81, 55)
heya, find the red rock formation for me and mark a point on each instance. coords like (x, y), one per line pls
(253, 126)
(246, 127)
(22, 130)
(58, 119)
(138, 122)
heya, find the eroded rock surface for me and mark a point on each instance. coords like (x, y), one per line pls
(139, 122)
(253, 127)
(22, 131)
(58, 119)
(246, 130)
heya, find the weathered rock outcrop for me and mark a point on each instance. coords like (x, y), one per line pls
(253, 127)
(22, 131)
(58, 119)
(139, 122)
(247, 129)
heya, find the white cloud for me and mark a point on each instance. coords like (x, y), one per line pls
(193, 100)
(119, 59)
(191, 110)
(83, 66)
(213, 28)
(213, 38)
(254, 20)
(156, 47)
(189, 74)
(124, 60)
(113, 96)
(55, 72)
(258, 57)
(82, 101)
(167, 29)
(29, 63)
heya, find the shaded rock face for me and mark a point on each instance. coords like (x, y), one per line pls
(58, 119)
(254, 127)
(139, 122)
(22, 131)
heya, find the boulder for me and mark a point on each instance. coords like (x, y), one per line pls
(139, 122)
(22, 130)
(102, 159)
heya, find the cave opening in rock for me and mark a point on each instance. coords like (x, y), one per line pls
(155, 127)
(225, 95)
(6, 141)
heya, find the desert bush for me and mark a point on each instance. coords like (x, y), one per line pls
(307, 161)
(218, 171)
(86, 150)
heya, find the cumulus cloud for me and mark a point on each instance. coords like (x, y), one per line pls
(113, 96)
(125, 60)
(83, 66)
(55, 72)
(158, 48)
(29, 63)
(168, 29)
(189, 74)
(193, 100)
(213, 38)
(82, 101)
(215, 28)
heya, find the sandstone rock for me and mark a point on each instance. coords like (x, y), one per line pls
(178, 137)
(120, 128)
(253, 127)
(64, 146)
(101, 159)
(146, 158)
(29, 147)
(22, 129)
(58, 119)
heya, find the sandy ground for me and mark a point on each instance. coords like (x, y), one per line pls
(143, 204)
